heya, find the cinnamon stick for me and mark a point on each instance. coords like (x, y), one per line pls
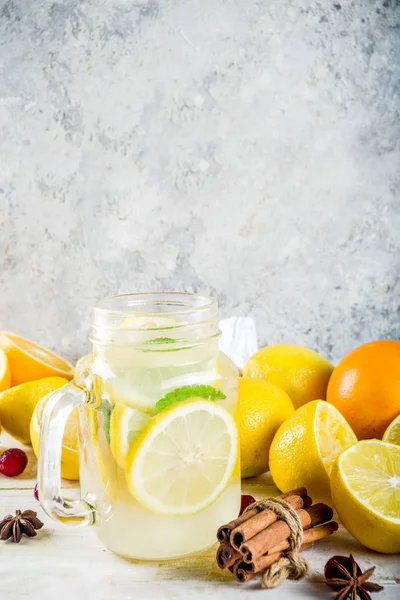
(279, 531)
(310, 536)
(245, 571)
(224, 532)
(227, 556)
(250, 528)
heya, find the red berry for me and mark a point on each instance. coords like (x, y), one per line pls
(36, 492)
(13, 462)
(246, 500)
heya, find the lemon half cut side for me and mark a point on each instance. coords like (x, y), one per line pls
(365, 485)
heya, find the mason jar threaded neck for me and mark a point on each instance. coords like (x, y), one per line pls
(154, 318)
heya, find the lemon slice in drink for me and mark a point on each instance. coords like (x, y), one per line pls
(365, 485)
(148, 322)
(126, 424)
(305, 447)
(184, 458)
(111, 475)
(392, 433)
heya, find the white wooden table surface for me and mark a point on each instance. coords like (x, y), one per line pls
(66, 562)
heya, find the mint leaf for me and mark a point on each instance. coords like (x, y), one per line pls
(189, 391)
(106, 408)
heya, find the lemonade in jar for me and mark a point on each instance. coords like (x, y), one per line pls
(159, 442)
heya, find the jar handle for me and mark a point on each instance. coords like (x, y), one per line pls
(54, 418)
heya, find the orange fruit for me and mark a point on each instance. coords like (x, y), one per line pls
(28, 361)
(365, 387)
(5, 374)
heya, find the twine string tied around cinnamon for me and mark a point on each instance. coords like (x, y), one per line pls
(292, 565)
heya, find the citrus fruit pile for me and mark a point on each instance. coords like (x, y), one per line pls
(300, 418)
(316, 443)
(28, 374)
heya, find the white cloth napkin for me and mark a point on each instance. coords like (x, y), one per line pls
(238, 339)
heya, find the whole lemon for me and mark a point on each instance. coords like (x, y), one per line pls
(301, 373)
(263, 408)
(365, 387)
(18, 403)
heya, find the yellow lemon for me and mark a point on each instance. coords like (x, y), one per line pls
(392, 433)
(5, 373)
(143, 321)
(305, 447)
(300, 372)
(126, 424)
(111, 475)
(365, 483)
(29, 361)
(184, 458)
(263, 408)
(70, 450)
(18, 403)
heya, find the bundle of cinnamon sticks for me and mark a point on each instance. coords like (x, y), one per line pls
(256, 539)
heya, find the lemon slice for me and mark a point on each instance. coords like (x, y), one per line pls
(148, 322)
(121, 391)
(392, 433)
(365, 486)
(184, 458)
(305, 447)
(112, 477)
(126, 424)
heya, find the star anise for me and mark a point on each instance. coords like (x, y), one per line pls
(22, 523)
(344, 575)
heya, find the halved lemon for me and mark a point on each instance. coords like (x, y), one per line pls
(365, 485)
(5, 373)
(392, 433)
(184, 458)
(126, 424)
(305, 447)
(28, 361)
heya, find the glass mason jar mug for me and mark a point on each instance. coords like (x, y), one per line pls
(159, 443)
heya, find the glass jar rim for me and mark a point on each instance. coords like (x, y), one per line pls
(184, 313)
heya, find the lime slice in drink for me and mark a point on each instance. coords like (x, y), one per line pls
(184, 458)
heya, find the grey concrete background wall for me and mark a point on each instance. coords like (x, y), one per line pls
(245, 148)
